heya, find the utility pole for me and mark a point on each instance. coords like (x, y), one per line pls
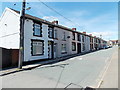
(21, 47)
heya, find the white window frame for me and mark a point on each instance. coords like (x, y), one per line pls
(55, 33)
(38, 27)
(63, 48)
(37, 47)
(73, 46)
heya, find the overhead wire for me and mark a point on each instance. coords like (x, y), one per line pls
(60, 14)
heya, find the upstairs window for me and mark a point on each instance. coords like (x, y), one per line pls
(79, 37)
(50, 32)
(37, 29)
(94, 39)
(55, 33)
(64, 36)
(90, 39)
(73, 34)
(99, 41)
(83, 38)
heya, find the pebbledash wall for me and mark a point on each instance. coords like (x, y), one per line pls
(64, 41)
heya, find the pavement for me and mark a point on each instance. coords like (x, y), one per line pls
(81, 71)
(110, 77)
(31, 66)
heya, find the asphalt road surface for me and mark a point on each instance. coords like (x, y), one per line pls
(80, 71)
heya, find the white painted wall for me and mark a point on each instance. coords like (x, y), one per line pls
(9, 29)
(27, 41)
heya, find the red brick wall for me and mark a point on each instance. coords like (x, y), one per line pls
(15, 57)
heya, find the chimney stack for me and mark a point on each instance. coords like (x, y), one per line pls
(55, 22)
(90, 34)
(74, 29)
(84, 32)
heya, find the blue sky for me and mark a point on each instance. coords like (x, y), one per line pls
(98, 18)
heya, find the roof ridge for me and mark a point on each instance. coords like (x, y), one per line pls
(48, 22)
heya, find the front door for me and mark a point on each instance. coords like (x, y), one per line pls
(79, 48)
(50, 50)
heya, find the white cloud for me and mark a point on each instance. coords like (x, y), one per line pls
(50, 18)
(105, 24)
(106, 34)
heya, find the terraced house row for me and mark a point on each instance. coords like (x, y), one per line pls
(44, 39)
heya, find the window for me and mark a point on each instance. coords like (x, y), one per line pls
(73, 46)
(100, 42)
(55, 33)
(94, 39)
(50, 32)
(83, 47)
(79, 37)
(37, 28)
(63, 48)
(64, 36)
(82, 38)
(37, 47)
(91, 39)
(73, 36)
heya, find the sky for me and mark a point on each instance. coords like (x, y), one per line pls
(96, 18)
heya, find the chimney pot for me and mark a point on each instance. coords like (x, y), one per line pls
(74, 29)
(55, 22)
(84, 32)
(90, 34)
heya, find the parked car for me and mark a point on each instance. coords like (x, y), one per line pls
(110, 46)
(105, 47)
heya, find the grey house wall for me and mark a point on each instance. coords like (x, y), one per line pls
(59, 41)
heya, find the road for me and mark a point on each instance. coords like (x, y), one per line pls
(80, 71)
